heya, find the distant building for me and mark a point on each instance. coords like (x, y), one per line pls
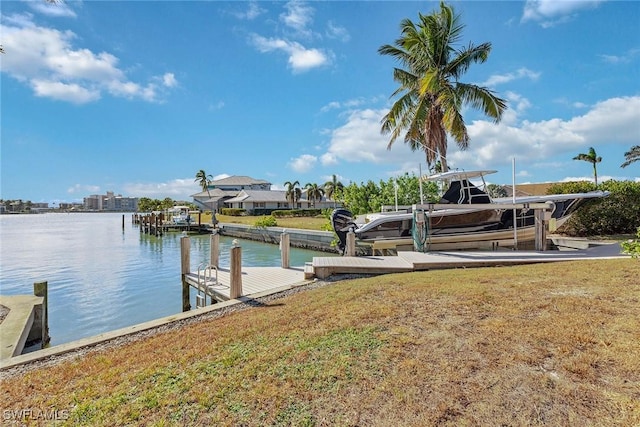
(110, 202)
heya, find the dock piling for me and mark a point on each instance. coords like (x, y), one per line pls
(41, 289)
(235, 286)
(284, 249)
(185, 264)
(541, 230)
(214, 245)
(350, 249)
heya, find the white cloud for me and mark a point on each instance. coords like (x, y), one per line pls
(83, 189)
(300, 58)
(252, 12)
(506, 78)
(64, 92)
(56, 9)
(303, 163)
(628, 56)
(360, 140)
(177, 189)
(328, 159)
(336, 32)
(517, 106)
(613, 121)
(350, 103)
(216, 106)
(46, 59)
(298, 16)
(169, 80)
(553, 12)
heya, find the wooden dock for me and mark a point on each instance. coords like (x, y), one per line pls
(255, 280)
(260, 280)
(324, 267)
(157, 225)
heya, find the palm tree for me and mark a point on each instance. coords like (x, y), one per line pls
(592, 158)
(631, 156)
(293, 192)
(333, 187)
(204, 180)
(314, 192)
(431, 95)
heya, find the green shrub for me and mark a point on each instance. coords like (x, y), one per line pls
(617, 214)
(266, 221)
(632, 247)
(233, 211)
(296, 213)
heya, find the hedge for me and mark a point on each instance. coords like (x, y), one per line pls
(619, 213)
(233, 211)
(296, 213)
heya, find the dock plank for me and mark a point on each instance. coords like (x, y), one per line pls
(415, 261)
(255, 280)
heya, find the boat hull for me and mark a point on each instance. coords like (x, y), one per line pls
(466, 228)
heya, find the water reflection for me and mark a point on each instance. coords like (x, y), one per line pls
(102, 277)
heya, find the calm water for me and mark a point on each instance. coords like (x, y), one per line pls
(102, 277)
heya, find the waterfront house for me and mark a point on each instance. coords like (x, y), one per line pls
(220, 190)
(253, 195)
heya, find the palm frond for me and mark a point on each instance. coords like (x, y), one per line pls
(631, 156)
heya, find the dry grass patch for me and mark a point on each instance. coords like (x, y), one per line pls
(554, 344)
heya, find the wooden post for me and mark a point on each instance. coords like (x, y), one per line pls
(350, 250)
(284, 249)
(235, 290)
(214, 245)
(123, 221)
(185, 268)
(541, 230)
(41, 289)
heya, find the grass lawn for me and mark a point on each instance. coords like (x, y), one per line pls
(308, 223)
(548, 344)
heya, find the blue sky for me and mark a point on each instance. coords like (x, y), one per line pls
(136, 97)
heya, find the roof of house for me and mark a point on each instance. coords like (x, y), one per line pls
(214, 193)
(238, 180)
(259, 196)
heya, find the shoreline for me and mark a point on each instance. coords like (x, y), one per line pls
(54, 355)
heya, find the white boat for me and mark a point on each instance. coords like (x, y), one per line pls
(465, 217)
(180, 215)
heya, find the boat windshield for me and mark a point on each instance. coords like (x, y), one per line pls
(464, 192)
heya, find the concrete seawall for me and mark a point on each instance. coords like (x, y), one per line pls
(305, 239)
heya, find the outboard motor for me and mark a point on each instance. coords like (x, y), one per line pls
(342, 222)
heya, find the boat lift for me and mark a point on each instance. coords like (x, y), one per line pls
(421, 221)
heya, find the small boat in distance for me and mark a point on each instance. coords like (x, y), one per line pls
(180, 215)
(466, 217)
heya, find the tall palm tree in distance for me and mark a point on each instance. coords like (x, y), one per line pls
(592, 158)
(204, 180)
(431, 95)
(314, 192)
(293, 192)
(333, 188)
(631, 156)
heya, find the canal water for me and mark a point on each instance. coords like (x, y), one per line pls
(102, 277)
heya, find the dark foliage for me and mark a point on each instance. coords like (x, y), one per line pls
(617, 214)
